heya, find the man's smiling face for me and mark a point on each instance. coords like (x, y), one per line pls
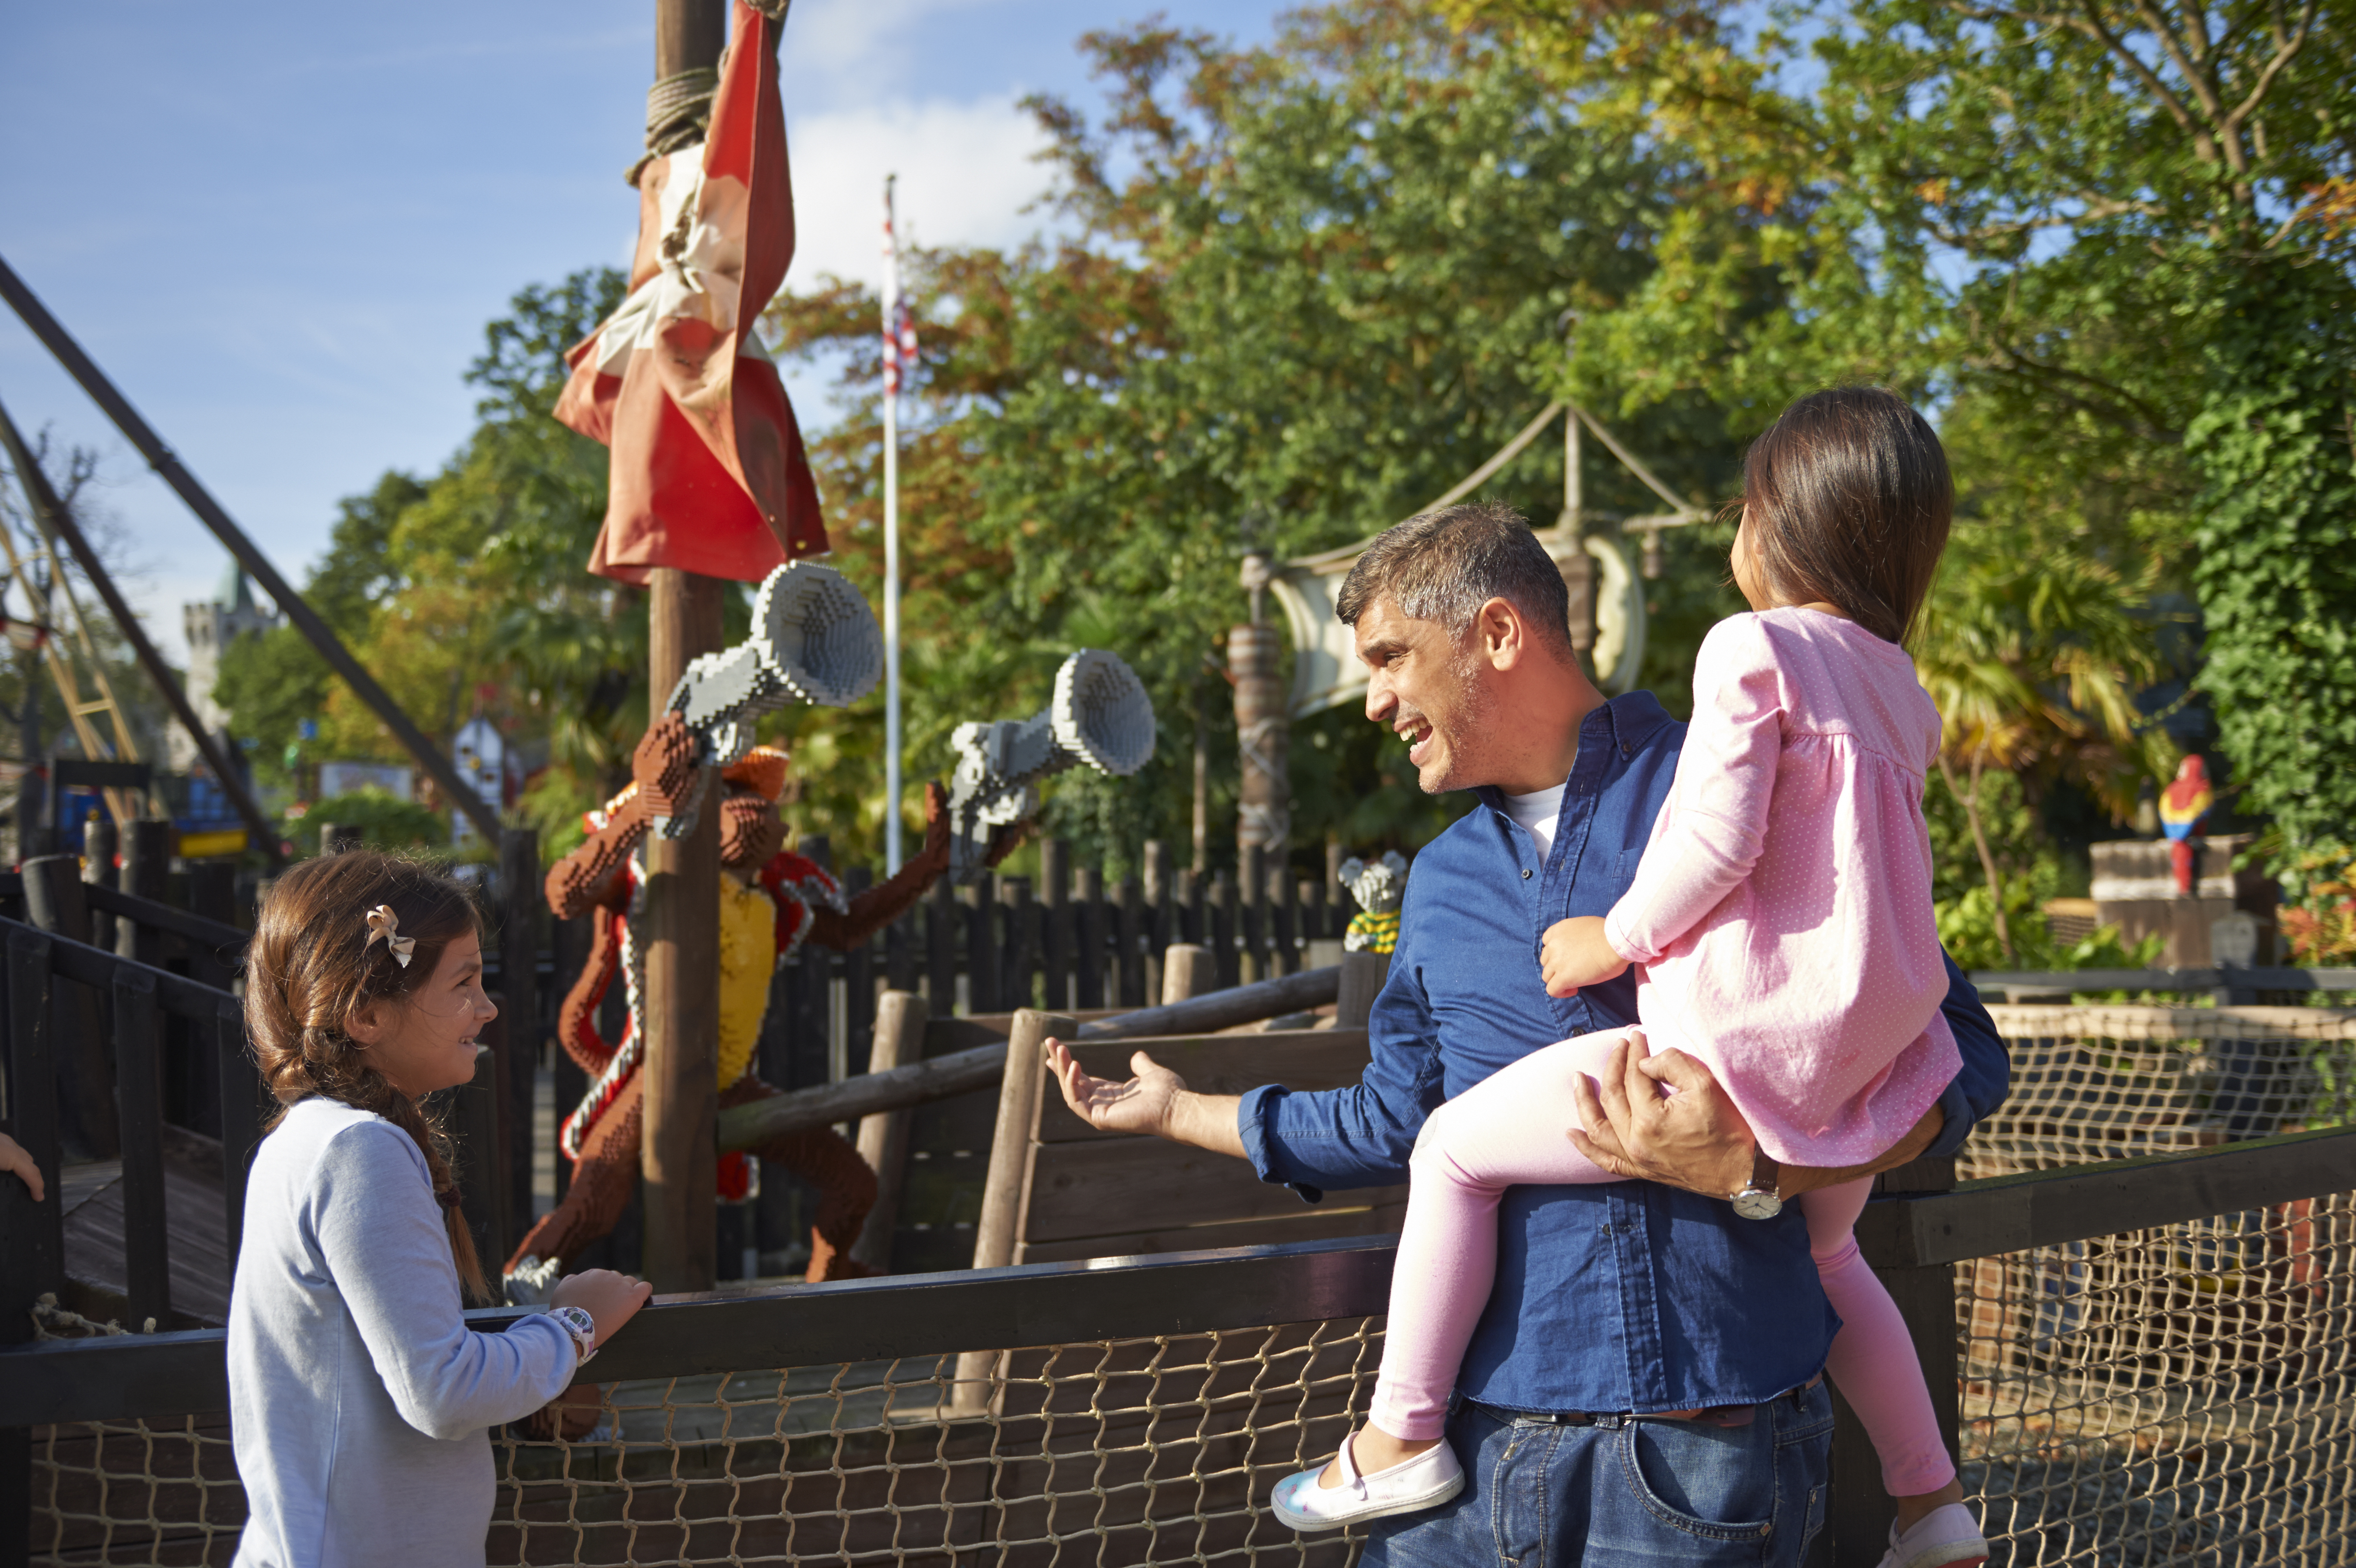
(1426, 686)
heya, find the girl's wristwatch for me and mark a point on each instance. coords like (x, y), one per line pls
(582, 1326)
(1758, 1199)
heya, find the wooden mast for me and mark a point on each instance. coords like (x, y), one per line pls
(679, 1154)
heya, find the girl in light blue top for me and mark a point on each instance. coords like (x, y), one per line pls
(359, 1401)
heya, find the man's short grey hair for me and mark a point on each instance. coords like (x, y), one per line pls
(1443, 566)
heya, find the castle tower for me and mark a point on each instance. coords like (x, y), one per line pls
(211, 629)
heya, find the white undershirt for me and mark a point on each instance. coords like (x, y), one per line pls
(1537, 813)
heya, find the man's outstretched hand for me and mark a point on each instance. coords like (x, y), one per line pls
(1156, 1102)
(1663, 1118)
(1139, 1104)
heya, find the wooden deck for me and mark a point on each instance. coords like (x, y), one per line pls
(201, 1261)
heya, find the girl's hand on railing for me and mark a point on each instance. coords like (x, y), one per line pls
(611, 1299)
(13, 1157)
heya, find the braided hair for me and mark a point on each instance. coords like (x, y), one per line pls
(311, 967)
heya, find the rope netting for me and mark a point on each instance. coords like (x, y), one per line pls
(2184, 1394)
(2117, 1082)
(1113, 1453)
(2179, 1394)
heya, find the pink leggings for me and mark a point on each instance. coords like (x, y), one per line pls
(1507, 1131)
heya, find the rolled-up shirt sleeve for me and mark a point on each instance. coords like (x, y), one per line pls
(1326, 1140)
(1983, 1080)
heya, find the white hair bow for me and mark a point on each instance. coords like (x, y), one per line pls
(383, 922)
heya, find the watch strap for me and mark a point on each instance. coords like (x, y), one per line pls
(583, 1327)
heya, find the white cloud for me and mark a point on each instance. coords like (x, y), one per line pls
(967, 172)
(853, 34)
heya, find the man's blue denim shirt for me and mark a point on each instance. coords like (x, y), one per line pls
(1624, 1296)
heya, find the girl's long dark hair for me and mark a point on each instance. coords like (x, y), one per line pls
(1848, 501)
(310, 965)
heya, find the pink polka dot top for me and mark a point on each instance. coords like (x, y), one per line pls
(1781, 913)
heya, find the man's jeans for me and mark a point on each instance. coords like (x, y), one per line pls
(1624, 1492)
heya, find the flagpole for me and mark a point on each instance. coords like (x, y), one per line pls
(891, 373)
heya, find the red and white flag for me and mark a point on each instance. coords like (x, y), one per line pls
(899, 321)
(709, 471)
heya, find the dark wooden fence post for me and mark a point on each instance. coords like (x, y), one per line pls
(1285, 915)
(1160, 919)
(1021, 951)
(1055, 930)
(521, 904)
(139, 1094)
(1088, 939)
(942, 918)
(54, 902)
(1136, 936)
(147, 863)
(977, 904)
(858, 977)
(1221, 937)
(212, 893)
(900, 940)
(813, 991)
(1252, 963)
(32, 1234)
(1857, 1525)
(482, 1186)
(241, 1115)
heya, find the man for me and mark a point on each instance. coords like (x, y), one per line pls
(1646, 1385)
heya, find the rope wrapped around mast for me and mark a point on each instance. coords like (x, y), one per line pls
(678, 108)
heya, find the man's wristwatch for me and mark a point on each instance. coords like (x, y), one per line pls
(577, 1322)
(1758, 1199)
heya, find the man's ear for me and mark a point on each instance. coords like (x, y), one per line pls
(1504, 640)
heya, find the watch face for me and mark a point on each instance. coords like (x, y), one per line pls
(1754, 1204)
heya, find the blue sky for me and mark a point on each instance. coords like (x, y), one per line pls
(281, 229)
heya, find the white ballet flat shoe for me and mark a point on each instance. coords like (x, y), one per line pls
(1429, 1480)
(1946, 1537)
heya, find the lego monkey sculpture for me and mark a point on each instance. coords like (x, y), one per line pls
(771, 902)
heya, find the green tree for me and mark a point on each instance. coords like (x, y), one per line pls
(273, 682)
(1311, 286)
(2046, 220)
(2033, 654)
(2275, 440)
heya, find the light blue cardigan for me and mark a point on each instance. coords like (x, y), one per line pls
(359, 1401)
